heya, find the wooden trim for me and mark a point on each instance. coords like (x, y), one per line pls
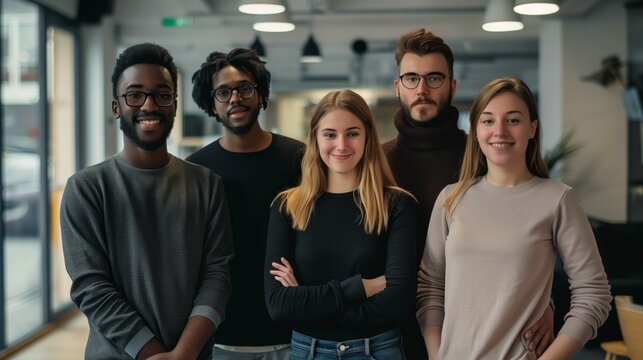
(44, 331)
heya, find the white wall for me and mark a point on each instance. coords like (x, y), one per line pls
(97, 58)
(550, 68)
(571, 49)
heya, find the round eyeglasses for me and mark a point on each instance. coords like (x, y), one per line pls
(138, 98)
(433, 80)
(223, 94)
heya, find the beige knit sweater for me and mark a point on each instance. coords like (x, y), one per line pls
(486, 274)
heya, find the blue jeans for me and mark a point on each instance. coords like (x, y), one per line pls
(385, 346)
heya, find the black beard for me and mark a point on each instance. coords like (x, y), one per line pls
(243, 129)
(129, 129)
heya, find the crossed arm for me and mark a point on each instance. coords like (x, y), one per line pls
(284, 274)
(355, 300)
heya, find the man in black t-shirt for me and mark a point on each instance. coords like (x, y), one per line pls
(255, 165)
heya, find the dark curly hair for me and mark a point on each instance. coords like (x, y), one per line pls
(145, 53)
(245, 60)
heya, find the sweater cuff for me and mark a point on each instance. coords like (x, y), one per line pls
(353, 290)
(577, 329)
(208, 312)
(138, 341)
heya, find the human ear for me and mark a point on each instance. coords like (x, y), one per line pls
(532, 129)
(116, 113)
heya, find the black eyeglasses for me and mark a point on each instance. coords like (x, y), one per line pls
(223, 94)
(433, 80)
(138, 98)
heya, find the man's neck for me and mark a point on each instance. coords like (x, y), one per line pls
(145, 159)
(254, 140)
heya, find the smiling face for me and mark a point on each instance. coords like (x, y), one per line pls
(503, 131)
(149, 125)
(237, 115)
(341, 139)
(424, 103)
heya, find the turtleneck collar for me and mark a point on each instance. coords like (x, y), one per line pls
(440, 132)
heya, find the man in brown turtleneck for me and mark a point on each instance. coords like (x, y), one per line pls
(428, 151)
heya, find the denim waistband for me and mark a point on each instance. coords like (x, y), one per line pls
(366, 346)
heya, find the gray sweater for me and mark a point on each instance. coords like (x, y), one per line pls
(487, 270)
(146, 250)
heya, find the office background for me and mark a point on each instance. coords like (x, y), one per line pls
(584, 63)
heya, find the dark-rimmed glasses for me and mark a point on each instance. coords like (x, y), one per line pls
(433, 80)
(223, 94)
(138, 98)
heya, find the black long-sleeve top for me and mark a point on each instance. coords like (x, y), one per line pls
(331, 257)
(252, 180)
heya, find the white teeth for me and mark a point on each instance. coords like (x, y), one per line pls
(501, 146)
(150, 122)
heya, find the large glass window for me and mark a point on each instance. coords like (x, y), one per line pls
(62, 152)
(21, 164)
(38, 133)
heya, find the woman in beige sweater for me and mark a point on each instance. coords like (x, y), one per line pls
(487, 270)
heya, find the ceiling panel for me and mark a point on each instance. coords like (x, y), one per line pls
(336, 24)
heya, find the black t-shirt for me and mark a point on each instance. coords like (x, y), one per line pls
(251, 181)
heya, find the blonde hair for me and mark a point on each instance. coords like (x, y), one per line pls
(474, 164)
(374, 177)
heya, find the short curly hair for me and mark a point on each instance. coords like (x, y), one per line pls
(145, 53)
(245, 60)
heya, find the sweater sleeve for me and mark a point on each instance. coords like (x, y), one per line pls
(396, 301)
(93, 289)
(214, 292)
(301, 303)
(590, 291)
(430, 289)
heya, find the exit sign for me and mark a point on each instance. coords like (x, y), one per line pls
(180, 21)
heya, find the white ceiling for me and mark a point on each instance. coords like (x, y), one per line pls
(218, 25)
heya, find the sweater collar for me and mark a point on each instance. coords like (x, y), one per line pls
(438, 133)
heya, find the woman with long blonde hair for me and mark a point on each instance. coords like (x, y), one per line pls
(340, 248)
(486, 274)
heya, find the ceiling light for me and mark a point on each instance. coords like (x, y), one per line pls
(274, 23)
(265, 7)
(310, 53)
(499, 17)
(536, 7)
(257, 46)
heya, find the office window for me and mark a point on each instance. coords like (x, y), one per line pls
(21, 171)
(62, 152)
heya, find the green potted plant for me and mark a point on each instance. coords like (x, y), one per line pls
(563, 149)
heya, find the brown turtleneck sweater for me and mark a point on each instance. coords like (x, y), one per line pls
(424, 159)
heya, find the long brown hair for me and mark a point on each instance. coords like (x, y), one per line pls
(374, 176)
(474, 164)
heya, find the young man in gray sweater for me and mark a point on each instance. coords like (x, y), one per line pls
(146, 236)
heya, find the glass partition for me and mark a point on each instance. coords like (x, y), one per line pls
(62, 149)
(21, 171)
